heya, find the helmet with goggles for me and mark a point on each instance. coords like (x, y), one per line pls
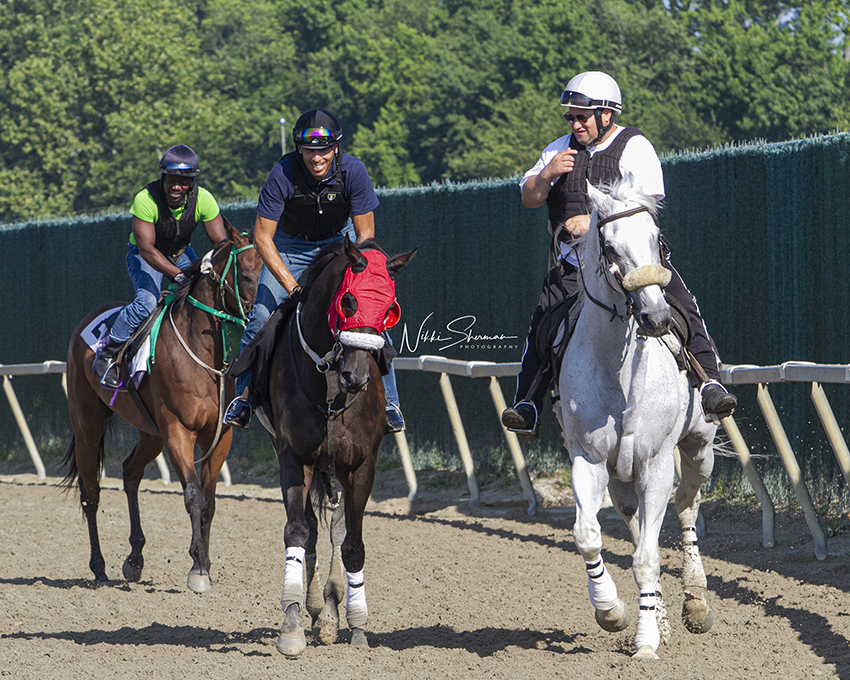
(180, 160)
(593, 90)
(317, 129)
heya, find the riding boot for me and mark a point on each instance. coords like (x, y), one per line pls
(105, 366)
(717, 403)
(523, 417)
(238, 414)
(395, 419)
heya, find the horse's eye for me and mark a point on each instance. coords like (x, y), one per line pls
(348, 304)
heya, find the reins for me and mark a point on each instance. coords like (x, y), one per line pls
(207, 270)
(607, 266)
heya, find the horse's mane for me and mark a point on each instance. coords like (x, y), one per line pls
(617, 196)
(625, 192)
(331, 251)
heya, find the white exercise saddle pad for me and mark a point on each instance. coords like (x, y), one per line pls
(97, 328)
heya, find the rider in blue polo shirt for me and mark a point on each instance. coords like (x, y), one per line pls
(315, 195)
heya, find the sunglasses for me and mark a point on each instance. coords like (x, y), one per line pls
(314, 136)
(581, 117)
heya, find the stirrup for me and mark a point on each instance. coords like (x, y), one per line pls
(394, 419)
(527, 428)
(238, 413)
(724, 402)
(111, 378)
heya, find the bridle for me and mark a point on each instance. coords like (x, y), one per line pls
(638, 278)
(328, 365)
(235, 322)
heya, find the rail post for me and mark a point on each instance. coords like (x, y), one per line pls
(789, 460)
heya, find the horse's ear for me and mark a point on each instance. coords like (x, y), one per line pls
(400, 261)
(232, 232)
(358, 260)
(597, 198)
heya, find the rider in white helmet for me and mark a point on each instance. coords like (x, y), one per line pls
(598, 150)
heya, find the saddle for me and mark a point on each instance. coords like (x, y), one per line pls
(558, 323)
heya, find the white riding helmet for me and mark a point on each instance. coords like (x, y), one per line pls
(593, 90)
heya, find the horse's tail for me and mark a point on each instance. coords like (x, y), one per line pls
(69, 462)
(69, 465)
(320, 490)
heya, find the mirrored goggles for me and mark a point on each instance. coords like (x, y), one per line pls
(310, 136)
(579, 100)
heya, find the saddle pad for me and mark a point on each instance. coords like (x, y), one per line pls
(95, 333)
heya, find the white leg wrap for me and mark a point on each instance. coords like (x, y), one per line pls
(647, 626)
(600, 586)
(356, 611)
(293, 578)
(693, 574)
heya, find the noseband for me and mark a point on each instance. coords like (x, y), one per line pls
(645, 275)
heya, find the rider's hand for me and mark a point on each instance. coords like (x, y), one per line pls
(578, 225)
(559, 165)
(180, 278)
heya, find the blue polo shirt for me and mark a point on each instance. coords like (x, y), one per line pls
(278, 189)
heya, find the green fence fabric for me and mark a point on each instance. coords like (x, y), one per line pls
(758, 232)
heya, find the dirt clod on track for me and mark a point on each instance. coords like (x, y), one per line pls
(452, 592)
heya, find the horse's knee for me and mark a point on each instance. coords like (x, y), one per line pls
(588, 537)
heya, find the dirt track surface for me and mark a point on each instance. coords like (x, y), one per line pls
(452, 593)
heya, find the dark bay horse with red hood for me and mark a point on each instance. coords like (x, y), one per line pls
(325, 400)
(180, 397)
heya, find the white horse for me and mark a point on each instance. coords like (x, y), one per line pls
(624, 407)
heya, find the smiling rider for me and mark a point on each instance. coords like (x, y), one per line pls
(314, 196)
(602, 152)
(165, 214)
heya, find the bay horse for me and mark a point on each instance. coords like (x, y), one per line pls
(624, 407)
(326, 406)
(181, 398)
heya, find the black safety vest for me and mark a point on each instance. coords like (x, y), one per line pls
(315, 216)
(568, 196)
(173, 236)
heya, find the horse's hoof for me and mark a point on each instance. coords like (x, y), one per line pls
(697, 616)
(613, 620)
(645, 652)
(358, 638)
(100, 580)
(132, 572)
(291, 642)
(199, 583)
(329, 622)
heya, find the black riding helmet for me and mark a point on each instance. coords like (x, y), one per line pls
(180, 160)
(317, 129)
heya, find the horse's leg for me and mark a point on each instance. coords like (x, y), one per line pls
(697, 461)
(314, 599)
(292, 642)
(589, 482)
(210, 470)
(89, 416)
(180, 444)
(353, 551)
(143, 453)
(625, 501)
(655, 478)
(335, 587)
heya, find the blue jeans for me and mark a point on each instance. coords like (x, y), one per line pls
(297, 255)
(147, 283)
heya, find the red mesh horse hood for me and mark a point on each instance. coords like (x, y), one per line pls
(374, 294)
